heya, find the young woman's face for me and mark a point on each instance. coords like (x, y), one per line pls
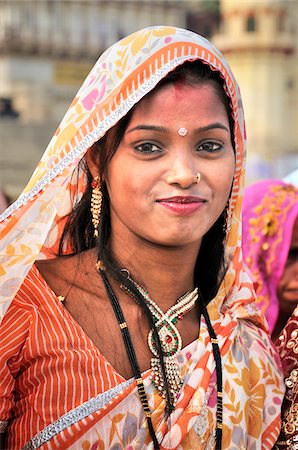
(287, 290)
(152, 177)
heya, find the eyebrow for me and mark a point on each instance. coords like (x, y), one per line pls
(211, 126)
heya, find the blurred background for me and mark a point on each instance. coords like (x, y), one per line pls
(47, 47)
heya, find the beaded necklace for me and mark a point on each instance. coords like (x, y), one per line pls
(131, 354)
(170, 339)
(136, 370)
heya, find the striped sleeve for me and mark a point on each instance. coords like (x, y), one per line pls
(14, 330)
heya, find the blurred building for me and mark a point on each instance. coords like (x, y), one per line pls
(47, 47)
(260, 41)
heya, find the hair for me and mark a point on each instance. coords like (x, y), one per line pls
(210, 265)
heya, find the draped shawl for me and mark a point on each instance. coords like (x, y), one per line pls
(32, 226)
(128, 70)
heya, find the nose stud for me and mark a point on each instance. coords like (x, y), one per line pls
(198, 177)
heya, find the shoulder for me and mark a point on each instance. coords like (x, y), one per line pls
(32, 295)
(18, 319)
(33, 291)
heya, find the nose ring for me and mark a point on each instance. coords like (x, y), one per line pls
(198, 177)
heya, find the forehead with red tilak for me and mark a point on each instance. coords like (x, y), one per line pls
(181, 105)
(179, 88)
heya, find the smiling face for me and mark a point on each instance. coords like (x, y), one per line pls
(152, 177)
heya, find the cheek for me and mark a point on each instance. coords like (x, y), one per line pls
(119, 179)
(223, 177)
(287, 276)
(126, 191)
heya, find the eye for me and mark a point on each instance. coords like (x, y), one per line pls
(210, 147)
(293, 255)
(148, 147)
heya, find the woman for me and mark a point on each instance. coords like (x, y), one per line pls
(270, 242)
(270, 248)
(132, 217)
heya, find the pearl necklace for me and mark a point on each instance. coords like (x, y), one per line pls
(170, 339)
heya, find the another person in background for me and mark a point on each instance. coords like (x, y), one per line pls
(270, 249)
(129, 320)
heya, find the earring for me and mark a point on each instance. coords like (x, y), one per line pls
(96, 200)
(198, 177)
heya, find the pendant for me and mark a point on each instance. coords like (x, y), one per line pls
(171, 344)
(170, 340)
(174, 378)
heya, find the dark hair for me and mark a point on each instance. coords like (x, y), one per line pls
(210, 266)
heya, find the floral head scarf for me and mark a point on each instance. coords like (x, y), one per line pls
(270, 209)
(125, 73)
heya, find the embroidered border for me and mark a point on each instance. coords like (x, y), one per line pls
(75, 415)
(3, 425)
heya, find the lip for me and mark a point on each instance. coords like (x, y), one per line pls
(291, 294)
(292, 290)
(182, 205)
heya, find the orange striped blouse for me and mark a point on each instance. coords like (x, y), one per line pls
(48, 365)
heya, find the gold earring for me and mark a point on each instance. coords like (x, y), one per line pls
(96, 201)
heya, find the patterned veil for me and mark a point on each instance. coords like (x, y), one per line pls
(30, 229)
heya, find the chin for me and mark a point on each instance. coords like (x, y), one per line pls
(287, 305)
(176, 241)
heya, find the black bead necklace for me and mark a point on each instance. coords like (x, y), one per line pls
(131, 356)
(136, 369)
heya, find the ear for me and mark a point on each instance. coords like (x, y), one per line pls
(92, 161)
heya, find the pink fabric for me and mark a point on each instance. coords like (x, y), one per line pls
(270, 209)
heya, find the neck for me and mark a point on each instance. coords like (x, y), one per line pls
(165, 272)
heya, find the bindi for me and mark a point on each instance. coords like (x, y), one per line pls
(182, 131)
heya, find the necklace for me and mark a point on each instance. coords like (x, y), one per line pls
(170, 339)
(136, 370)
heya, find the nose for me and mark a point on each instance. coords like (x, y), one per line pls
(182, 172)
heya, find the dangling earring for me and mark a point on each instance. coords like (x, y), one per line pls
(96, 200)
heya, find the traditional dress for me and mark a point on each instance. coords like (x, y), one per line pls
(56, 388)
(287, 346)
(270, 209)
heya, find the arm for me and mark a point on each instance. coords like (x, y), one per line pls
(13, 334)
